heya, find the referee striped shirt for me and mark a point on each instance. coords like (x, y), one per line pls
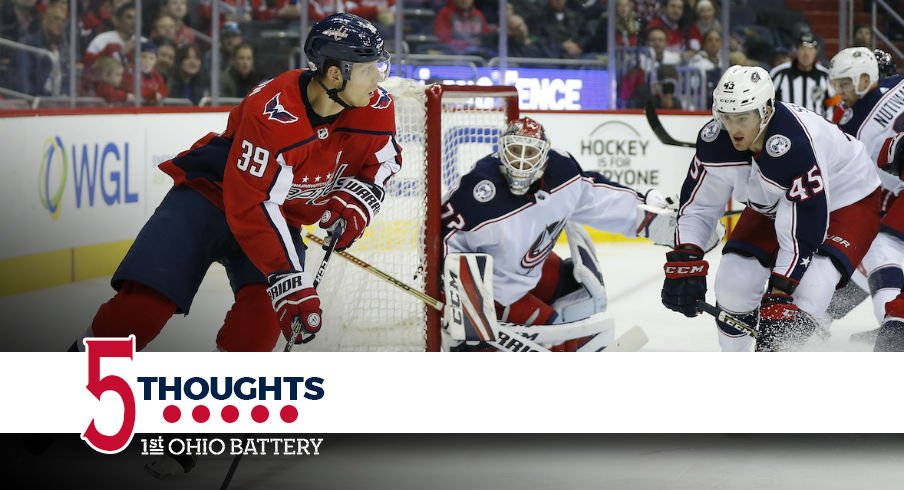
(808, 89)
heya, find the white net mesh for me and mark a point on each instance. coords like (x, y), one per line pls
(362, 312)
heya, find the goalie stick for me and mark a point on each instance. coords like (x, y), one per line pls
(658, 210)
(660, 132)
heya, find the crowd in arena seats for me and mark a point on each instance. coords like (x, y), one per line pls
(664, 49)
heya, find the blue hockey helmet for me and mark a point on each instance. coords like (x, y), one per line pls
(348, 39)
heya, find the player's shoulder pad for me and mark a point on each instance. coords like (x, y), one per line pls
(561, 167)
(483, 194)
(714, 145)
(277, 101)
(378, 117)
(855, 117)
(787, 148)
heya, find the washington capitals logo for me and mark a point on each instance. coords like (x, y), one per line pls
(383, 100)
(543, 245)
(276, 112)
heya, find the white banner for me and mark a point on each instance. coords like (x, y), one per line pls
(473, 393)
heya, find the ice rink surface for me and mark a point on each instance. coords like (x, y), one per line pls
(49, 319)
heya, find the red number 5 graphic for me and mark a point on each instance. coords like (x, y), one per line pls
(98, 349)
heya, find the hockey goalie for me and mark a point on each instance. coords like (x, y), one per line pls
(499, 229)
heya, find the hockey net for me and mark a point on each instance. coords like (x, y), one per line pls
(443, 132)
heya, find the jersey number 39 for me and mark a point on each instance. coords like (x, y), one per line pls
(256, 155)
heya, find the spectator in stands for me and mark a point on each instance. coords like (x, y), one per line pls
(377, 11)
(230, 11)
(239, 78)
(710, 57)
(560, 30)
(647, 10)
(153, 85)
(178, 9)
(108, 73)
(166, 56)
(668, 21)
(462, 27)
(520, 42)
(658, 52)
(188, 79)
(706, 22)
(164, 27)
(803, 81)
(779, 56)
(230, 38)
(627, 28)
(17, 18)
(96, 18)
(863, 36)
(663, 89)
(118, 43)
(35, 72)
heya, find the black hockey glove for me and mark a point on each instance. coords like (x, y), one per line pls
(685, 279)
(891, 156)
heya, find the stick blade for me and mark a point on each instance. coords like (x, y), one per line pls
(631, 341)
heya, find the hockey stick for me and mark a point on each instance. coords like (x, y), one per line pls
(660, 132)
(296, 323)
(429, 301)
(658, 210)
(727, 318)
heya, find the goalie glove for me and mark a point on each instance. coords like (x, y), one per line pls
(891, 156)
(296, 303)
(356, 202)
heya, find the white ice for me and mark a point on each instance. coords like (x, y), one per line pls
(50, 319)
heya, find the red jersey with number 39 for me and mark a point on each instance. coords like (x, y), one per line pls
(277, 163)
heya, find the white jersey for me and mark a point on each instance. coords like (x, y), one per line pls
(876, 117)
(806, 169)
(519, 232)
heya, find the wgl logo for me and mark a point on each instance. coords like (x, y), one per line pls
(102, 168)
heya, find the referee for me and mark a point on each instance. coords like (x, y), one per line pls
(802, 80)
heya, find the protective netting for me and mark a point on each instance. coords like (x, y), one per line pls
(362, 312)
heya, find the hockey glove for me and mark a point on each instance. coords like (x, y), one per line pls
(296, 302)
(891, 156)
(685, 279)
(357, 203)
(783, 325)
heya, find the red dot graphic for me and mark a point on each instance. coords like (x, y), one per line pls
(171, 414)
(260, 414)
(201, 414)
(230, 414)
(289, 414)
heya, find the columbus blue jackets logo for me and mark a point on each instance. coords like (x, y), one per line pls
(778, 145)
(846, 117)
(484, 191)
(544, 244)
(710, 132)
(276, 112)
(383, 100)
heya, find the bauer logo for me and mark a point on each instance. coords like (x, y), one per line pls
(189, 403)
(617, 146)
(101, 174)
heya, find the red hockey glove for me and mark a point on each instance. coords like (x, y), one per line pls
(355, 202)
(295, 300)
(891, 156)
(685, 279)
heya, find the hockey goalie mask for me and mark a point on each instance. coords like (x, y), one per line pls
(523, 149)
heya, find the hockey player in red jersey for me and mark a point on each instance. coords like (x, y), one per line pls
(307, 146)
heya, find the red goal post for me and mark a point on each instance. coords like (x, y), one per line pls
(443, 130)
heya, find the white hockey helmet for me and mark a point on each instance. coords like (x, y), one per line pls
(523, 150)
(852, 63)
(743, 89)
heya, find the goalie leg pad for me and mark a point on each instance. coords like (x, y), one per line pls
(251, 324)
(529, 310)
(135, 309)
